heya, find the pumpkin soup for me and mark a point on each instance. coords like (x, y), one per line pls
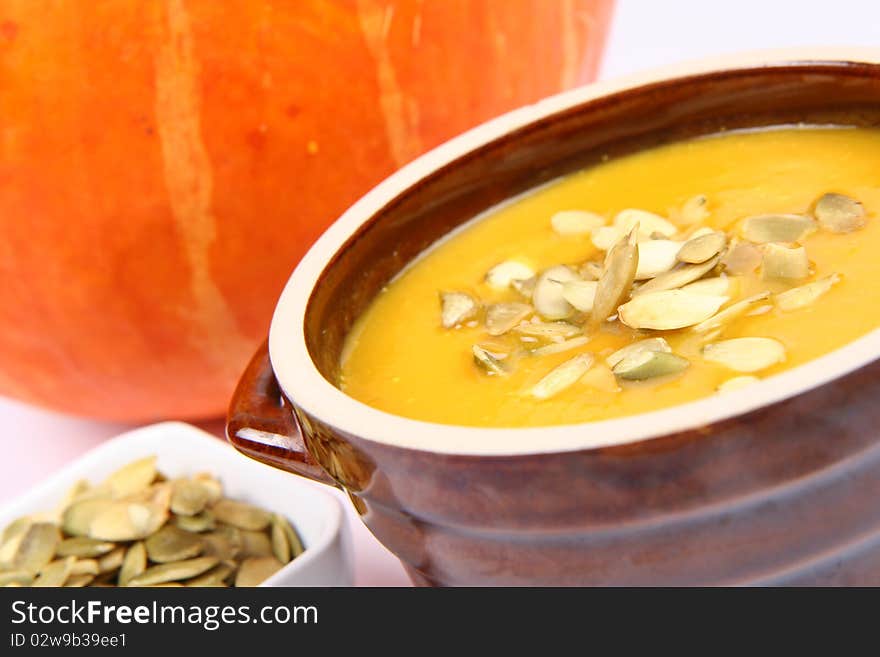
(647, 281)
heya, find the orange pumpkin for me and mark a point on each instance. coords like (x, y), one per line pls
(163, 166)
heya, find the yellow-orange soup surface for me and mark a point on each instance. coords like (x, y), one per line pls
(399, 359)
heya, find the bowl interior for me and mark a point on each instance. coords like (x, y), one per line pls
(816, 93)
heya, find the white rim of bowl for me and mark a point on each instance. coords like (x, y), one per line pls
(308, 389)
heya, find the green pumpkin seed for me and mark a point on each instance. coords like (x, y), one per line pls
(132, 477)
(745, 354)
(85, 567)
(81, 546)
(456, 308)
(649, 365)
(201, 522)
(699, 249)
(112, 560)
(839, 213)
(134, 563)
(783, 262)
(21, 577)
(617, 278)
(677, 278)
(36, 547)
(562, 377)
(174, 572)
(280, 544)
(255, 544)
(649, 344)
(777, 228)
(501, 317)
(256, 570)
(669, 309)
(293, 539)
(188, 497)
(217, 576)
(78, 581)
(225, 543)
(489, 362)
(502, 275)
(804, 295)
(171, 543)
(730, 313)
(124, 521)
(77, 518)
(55, 573)
(742, 258)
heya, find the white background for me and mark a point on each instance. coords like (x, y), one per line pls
(644, 34)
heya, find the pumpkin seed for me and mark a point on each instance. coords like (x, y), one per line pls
(559, 347)
(502, 275)
(501, 317)
(590, 271)
(804, 295)
(212, 484)
(777, 228)
(838, 213)
(617, 278)
(255, 570)
(241, 515)
(649, 365)
(217, 576)
(488, 361)
(21, 577)
(255, 544)
(547, 330)
(132, 477)
(280, 544)
(562, 376)
(695, 209)
(742, 258)
(36, 547)
(85, 567)
(78, 517)
(575, 222)
(669, 309)
(606, 237)
(14, 529)
(174, 572)
(745, 354)
(173, 544)
(647, 345)
(78, 581)
(111, 561)
(456, 308)
(730, 313)
(293, 539)
(81, 546)
(124, 521)
(781, 261)
(55, 573)
(188, 497)
(224, 543)
(525, 287)
(656, 257)
(134, 563)
(717, 285)
(201, 522)
(763, 309)
(701, 248)
(600, 377)
(547, 297)
(648, 223)
(678, 277)
(737, 382)
(580, 294)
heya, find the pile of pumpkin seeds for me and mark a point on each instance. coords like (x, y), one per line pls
(138, 528)
(653, 277)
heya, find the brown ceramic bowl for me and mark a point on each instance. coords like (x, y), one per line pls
(774, 484)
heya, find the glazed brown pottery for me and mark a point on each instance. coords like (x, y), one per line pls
(783, 492)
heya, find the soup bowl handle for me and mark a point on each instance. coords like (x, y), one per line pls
(261, 423)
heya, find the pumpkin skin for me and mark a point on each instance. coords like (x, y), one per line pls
(164, 165)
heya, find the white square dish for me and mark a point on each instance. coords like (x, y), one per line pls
(184, 450)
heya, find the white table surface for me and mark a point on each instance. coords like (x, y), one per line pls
(645, 34)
